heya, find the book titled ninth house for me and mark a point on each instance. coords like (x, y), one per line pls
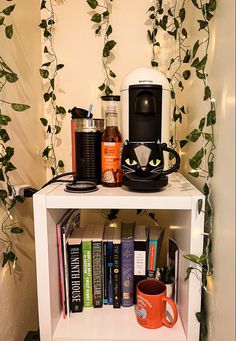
(127, 263)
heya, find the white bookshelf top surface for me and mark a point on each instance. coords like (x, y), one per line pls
(178, 194)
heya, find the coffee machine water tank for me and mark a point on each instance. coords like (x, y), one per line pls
(145, 95)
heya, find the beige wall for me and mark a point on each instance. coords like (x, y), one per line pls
(77, 48)
(18, 301)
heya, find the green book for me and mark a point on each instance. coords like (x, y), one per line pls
(87, 266)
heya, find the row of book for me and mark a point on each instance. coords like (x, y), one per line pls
(102, 264)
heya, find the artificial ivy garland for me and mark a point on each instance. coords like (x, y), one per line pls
(101, 18)
(8, 196)
(48, 72)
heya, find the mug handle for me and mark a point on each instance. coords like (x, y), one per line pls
(175, 313)
(175, 167)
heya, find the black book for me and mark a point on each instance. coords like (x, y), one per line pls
(107, 265)
(75, 270)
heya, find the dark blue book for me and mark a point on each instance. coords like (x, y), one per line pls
(108, 265)
(127, 263)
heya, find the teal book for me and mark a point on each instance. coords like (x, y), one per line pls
(87, 266)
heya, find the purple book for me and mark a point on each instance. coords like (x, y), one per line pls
(127, 263)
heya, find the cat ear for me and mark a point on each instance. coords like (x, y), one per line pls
(126, 143)
(158, 141)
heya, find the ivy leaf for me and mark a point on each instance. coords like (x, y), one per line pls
(44, 73)
(102, 87)
(9, 31)
(1, 20)
(193, 258)
(196, 160)
(112, 74)
(8, 257)
(163, 22)
(199, 205)
(19, 107)
(185, 33)
(60, 110)
(196, 4)
(109, 30)
(172, 94)
(11, 77)
(194, 174)
(200, 75)
(194, 135)
(207, 136)
(4, 135)
(206, 189)
(186, 74)
(43, 4)
(47, 64)
(60, 163)
(9, 167)
(52, 83)
(202, 124)
(96, 18)
(108, 90)
(154, 63)
(3, 194)
(202, 63)
(45, 50)
(108, 47)
(202, 24)
(207, 93)
(60, 66)
(211, 168)
(92, 3)
(1, 175)
(188, 272)
(182, 14)
(4, 119)
(44, 121)
(195, 48)
(183, 143)
(9, 153)
(57, 130)
(43, 24)
(8, 10)
(46, 152)
(187, 57)
(17, 229)
(98, 29)
(46, 96)
(180, 84)
(105, 14)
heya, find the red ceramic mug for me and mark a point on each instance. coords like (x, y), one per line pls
(151, 304)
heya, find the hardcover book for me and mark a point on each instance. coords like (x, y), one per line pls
(97, 266)
(127, 263)
(108, 264)
(155, 233)
(87, 265)
(117, 267)
(60, 230)
(75, 270)
(140, 255)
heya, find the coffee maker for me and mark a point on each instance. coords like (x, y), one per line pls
(145, 96)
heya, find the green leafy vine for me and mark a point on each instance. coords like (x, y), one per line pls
(171, 20)
(48, 72)
(101, 18)
(8, 196)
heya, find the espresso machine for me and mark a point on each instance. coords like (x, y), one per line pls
(145, 97)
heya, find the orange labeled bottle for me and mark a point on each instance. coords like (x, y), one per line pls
(111, 149)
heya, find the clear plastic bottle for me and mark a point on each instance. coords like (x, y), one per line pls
(111, 149)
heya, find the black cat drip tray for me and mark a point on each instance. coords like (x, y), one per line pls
(144, 185)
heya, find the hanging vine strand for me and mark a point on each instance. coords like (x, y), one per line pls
(8, 196)
(48, 72)
(101, 18)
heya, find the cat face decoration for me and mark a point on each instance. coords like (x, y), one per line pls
(145, 161)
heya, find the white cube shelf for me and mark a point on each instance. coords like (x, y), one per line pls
(178, 204)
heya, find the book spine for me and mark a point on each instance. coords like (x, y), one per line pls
(97, 275)
(61, 270)
(152, 254)
(116, 275)
(127, 271)
(75, 278)
(87, 273)
(105, 288)
(110, 272)
(140, 261)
